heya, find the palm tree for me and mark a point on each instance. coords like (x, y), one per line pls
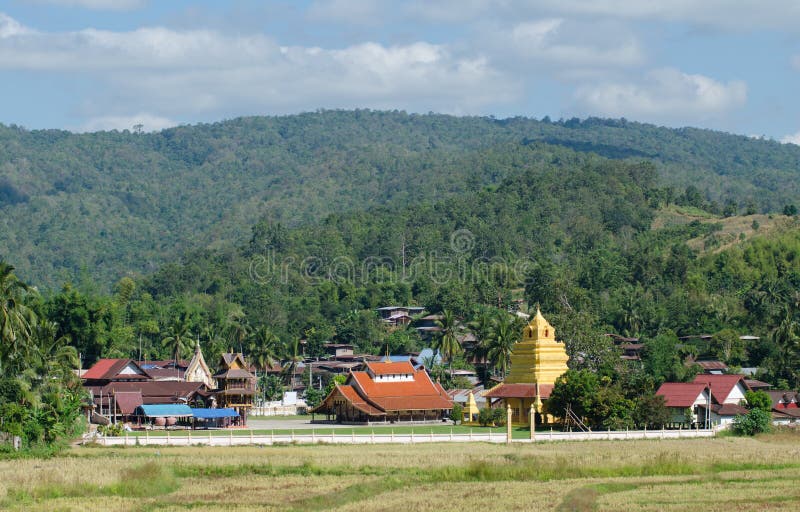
(53, 356)
(178, 338)
(292, 359)
(481, 327)
(237, 327)
(446, 342)
(504, 336)
(264, 347)
(15, 317)
(788, 342)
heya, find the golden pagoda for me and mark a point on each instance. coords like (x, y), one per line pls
(536, 362)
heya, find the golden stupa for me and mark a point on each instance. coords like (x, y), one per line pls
(538, 358)
(536, 362)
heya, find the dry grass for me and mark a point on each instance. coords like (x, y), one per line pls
(704, 474)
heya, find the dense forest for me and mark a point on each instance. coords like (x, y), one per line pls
(599, 244)
(100, 206)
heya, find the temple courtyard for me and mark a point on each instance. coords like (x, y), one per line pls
(724, 473)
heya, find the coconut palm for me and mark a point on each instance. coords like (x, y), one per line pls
(264, 347)
(481, 327)
(15, 317)
(179, 338)
(504, 336)
(446, 342)
(292, 359)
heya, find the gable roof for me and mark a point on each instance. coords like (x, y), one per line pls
(680, 394)
(128, 401)
(108, 369)
(390, 368)
(721, 385)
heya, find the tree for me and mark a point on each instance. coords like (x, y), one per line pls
(446, 341)
(264, 347)
(575, 390)
(790, 210)
(758, 400)
(727, 346)
(756, 421)
(501, 344)
(15, 319)
(292, 359)
(179, 338)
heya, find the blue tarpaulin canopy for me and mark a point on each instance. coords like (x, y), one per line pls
(164, 410)
(209, 414)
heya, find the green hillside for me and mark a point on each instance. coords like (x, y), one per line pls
(114, 203)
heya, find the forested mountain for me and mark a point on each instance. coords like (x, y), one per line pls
(114, 203)
(595, 242)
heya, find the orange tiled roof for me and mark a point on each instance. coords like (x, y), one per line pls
(391, 368)
(420, 393)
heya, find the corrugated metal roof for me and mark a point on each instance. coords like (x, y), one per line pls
(680, 394)
(519, 391)
(210, 414)
(721, 385)
(164, 410)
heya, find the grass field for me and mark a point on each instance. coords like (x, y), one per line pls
(726, 473)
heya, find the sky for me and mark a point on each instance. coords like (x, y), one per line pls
(88, 65)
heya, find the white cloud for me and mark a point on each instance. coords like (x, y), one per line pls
(664, 95)
(111, 5)
(724, 14)
(148, 122)
(183, 74)
(9, 27)
(796, 62)
(566, 44)
(792, 139)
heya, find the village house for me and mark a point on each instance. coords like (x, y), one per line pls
(386, 391)
(399, 315)
(536, 362)
(785, 407)
(118, 386)
(684, 399)
(727, 396)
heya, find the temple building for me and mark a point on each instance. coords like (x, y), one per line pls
(536, 362)
(198, 371)
(386, 391)
(236, 386)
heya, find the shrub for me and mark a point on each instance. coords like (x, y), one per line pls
(457, 413)
(754, 422)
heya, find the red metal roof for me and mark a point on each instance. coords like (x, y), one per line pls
(506, 390)
(680, 394)
(108, 369)
(391, 368)
(128, 401)
(721, 385)
(712, 365)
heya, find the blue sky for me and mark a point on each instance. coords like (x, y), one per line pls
(88, 65)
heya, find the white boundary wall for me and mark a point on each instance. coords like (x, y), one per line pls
(215, 439)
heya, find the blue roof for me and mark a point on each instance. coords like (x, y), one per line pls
(399, 359)
(162, 410)
(215, 413)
